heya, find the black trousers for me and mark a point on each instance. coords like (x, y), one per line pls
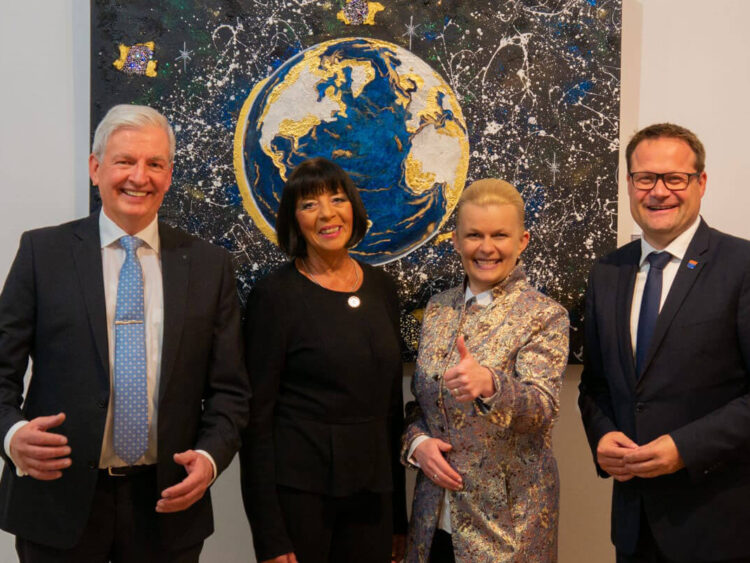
(647, 551)
(441, 550)
(325, 529)
(122, 528)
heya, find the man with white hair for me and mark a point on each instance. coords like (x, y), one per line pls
(138, 391)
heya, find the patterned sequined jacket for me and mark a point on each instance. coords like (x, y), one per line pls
(508, 508)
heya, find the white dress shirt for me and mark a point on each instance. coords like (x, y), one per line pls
(677, 248)
(113, 257)
(444, 522)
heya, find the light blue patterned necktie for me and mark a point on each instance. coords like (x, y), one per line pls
(131, 397)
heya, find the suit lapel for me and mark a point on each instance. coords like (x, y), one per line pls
(625, 284)
(696, 257)
(175, 264)
(87, 256)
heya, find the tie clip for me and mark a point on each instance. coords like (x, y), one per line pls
(128, 322)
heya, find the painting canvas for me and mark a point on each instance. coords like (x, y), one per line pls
(415, 99)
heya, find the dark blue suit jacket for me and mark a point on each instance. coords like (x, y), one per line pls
(694, 388)
(52, 310)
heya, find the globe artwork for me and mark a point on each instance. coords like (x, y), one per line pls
(378, 111)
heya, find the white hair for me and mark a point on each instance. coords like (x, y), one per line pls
(130, 116)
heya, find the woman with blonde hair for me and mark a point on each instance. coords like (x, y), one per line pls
(487, 385)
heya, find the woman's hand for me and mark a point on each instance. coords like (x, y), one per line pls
(467, 380)
(286, 558)
(429, 455)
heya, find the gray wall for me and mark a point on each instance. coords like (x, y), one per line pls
(683, 60)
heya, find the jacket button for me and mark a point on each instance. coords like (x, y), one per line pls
(441, 428)
(101, 403)
(437, 403)
(640, 407)
(92, 465)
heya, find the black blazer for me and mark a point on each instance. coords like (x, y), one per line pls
(694, 388)
(52, 310)
(327, 410)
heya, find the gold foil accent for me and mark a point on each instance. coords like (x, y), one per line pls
(372, 9)
(295, 130)
(151, 69)
(342, 153)
(442, 238)
(120, 63)
(417, 179)
(248, 200)
(125, 52)
(404, 85)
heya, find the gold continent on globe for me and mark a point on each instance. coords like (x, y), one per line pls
(381, 113)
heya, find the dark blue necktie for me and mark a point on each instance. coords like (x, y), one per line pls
(131, 396)
(649, 306)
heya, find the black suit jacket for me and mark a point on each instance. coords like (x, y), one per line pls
(52, 310)
(694, 388)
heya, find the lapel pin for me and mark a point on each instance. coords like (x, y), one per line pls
(692, 264)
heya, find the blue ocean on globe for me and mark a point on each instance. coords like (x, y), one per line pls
(379, 112)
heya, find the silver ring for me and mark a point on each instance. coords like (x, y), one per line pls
(434, 477)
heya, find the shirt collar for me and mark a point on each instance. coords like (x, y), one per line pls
(677, 248)
(483, 299)
(110, 232)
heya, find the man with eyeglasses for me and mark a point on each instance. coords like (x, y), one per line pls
(664, 391)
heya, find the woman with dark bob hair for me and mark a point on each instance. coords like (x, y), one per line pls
(321, 480)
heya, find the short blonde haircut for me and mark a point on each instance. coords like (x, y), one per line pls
(492, 191)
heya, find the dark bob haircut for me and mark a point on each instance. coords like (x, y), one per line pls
(312, 178)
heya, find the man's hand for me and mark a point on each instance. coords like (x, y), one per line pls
(429, 455)
(286, 558)
(467, 380)
(610, 453)
(658, 457)
(41, 454)
(200, 472)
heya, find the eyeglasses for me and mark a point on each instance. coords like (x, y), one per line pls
(673, 181)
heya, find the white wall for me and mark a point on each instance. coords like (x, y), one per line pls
(683, 60)
(44, 65)
(695, 71)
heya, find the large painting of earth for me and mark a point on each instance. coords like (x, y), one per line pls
(382, 114)
(413, 98)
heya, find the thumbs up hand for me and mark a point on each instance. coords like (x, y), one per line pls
(467, 380)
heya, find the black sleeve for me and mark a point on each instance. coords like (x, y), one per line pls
(265, 348)
(594, 400)
(17, 313)
(226, 395)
